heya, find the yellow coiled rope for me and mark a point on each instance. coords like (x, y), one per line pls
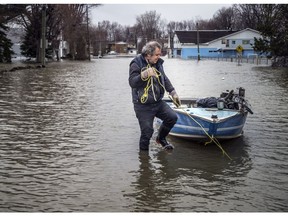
(149, 85)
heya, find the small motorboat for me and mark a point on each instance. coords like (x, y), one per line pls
(205, 118)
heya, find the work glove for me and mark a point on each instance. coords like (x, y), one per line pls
(175, 99)
(147, 73)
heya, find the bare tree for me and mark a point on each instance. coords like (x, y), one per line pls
(75, 28)
(149, 23)
(99, 37)
(253, 15)
(223, 19)
(73, 16)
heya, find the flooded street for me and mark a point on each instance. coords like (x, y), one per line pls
(69, 142)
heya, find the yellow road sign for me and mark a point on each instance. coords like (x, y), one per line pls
(239, 48)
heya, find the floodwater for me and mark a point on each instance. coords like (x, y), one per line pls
(69, 142)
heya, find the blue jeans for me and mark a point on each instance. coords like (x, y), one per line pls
(146, 114)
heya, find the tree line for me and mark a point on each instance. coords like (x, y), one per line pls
(72, 23)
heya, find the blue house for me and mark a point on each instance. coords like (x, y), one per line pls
(214, 43)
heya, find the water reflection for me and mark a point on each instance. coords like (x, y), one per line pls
(150, 193)
(192, 174)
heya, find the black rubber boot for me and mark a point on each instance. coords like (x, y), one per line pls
(161, 138)
(144, 148)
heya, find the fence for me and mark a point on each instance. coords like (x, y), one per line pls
(252, 59)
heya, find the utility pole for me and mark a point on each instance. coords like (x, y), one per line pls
(43, 36)
(198, 41)
(88, 36)
(115, 40)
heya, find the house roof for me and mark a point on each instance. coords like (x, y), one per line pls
(205, 36)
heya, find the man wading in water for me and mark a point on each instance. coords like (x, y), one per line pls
(149, 83)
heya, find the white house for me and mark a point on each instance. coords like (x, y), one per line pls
(214, 43)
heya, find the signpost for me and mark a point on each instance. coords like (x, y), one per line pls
(239, 50)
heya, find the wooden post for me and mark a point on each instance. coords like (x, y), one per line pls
(198, 41)
(88, 36)
(43, 36)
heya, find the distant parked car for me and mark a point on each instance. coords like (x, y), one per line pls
(112, 53)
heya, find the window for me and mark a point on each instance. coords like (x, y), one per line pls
(227, 43)
(245, 41)
(233, 42)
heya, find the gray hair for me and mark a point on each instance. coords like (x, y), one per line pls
(150, 48)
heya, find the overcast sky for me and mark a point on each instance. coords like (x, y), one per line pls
(125, 14)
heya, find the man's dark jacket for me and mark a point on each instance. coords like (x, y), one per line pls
(139, 64)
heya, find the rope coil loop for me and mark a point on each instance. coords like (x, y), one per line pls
(149, 84)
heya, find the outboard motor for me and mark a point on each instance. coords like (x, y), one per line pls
(224, 94)
(240, 99)
(235, 99)
(240, 91)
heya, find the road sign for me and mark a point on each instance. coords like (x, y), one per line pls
(239, 48)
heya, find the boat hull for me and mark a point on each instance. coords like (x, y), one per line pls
(200, 123)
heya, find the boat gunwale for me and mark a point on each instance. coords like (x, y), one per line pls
(210, 119)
